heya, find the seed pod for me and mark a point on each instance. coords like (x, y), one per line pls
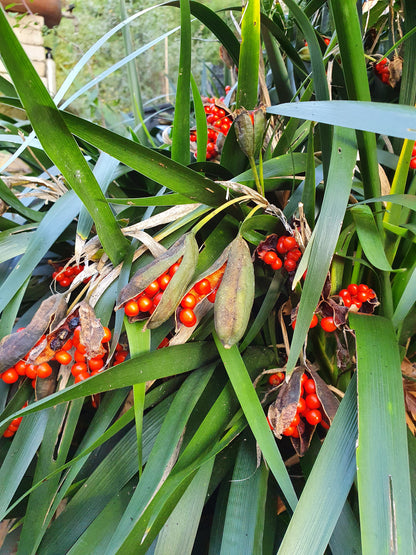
(15, 346)
(249, 129)
(282, 412)
(235, 294)
(186, 248)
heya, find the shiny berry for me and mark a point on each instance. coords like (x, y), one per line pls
(202, 287)
(163, 281)
(107, 335)
(31, 371)
(131, 308)
(352, 289)
(145, 304)
(289, 242)
(309, 386)
(95, 364)
(312, 401)
(276, 379)
(277, 264)
(152, 289)
(301, 406)
(10, 376)
(189, 301)
(79, 368)
(270, 257)
(327, 324)
(290, 265)
(63, 357)
(313, 417)
(44, 370)
(187, 317)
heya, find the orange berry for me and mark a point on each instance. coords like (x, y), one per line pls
(79, 368)
(131, 308)
(78, 356)
(188, 301)
(81, 377)
(152, 289)
(270, 257)
(67, 346)
(145, 304)
(107, 335)
(163, 281)
(10, 376)
(31, 371)
(44, 370)
(20, 367)
(187, 317)
(203, 287)
(63, 357)
(95, 364)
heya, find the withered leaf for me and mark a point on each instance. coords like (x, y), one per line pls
(395, 68)
(15, 346)
(283, 410)
(92, 331)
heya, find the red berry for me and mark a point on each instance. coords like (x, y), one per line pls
(212, 296)
(303, 378)
(10, 376)
(95, 364)
(107, 335)
(280, 247)
(277, 264)
(157, 298)
(8, 433)
(352, 289)
(301, 406)
(163, 281)
(31, 371)
(20, 367)
(290, 430)
(290, 242)
(290, 265)
(174, 268)
(67, 346)
(270, 257)
(78, 356)
(312, 401)
(187, 317)
(164, 343)
(188, 301)
(295, 421)
(362, 296)
(81, 377)
(152, 289)
(65, 282)
(324, 425)
(327, 324)
(202, 287)
(294, 254)
(79, 368)
(314, 321)
(276, 379)
(313, 417)
(309, 386)
(44, 370)
(145, 304)
(131, 308)
(63, 357)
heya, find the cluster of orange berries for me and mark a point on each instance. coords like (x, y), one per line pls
(147, 301)
(382, 70)
(206, 287)
(413, 159)
(14, 425)
(289, 248)
(356, 295)
(66, 276)
(220, 122)
(309, 406)
(200, 290)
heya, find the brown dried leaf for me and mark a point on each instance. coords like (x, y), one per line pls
(395, 68)
(283, 410)
(92, 331)
(15, 346)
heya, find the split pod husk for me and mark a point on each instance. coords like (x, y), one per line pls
(235, 294)
(186, 248)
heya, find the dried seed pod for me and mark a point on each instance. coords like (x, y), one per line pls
(186, 248)
(282, 412)
(235, 294)
(15, 346)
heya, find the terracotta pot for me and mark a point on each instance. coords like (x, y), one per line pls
(49, 9)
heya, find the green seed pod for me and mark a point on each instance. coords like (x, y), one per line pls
(235, 294)
(187, 248)
(249, 129)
